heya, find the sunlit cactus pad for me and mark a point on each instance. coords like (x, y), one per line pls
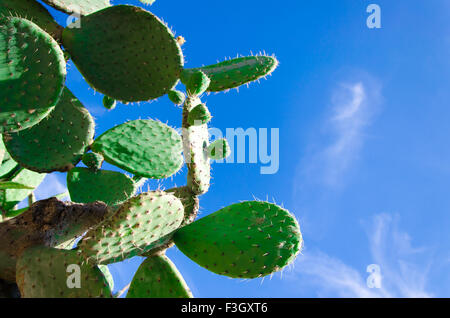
(244, 240)
(110, 187)
(32, 11)
(32, 73)
(139, 222)
(56, 143)
(157, 277)
(10, 197)
(126, 53)
(147, 148)
(82, 7)
(42, 272)
(234, 73)
(8, 165)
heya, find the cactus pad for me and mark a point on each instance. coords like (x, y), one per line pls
(198, 83)
(9, 198)
(134, 228)
(93, 161)
(199, 115)
(244, 240)
(44, 272)
(56, 143)
(82, 7)
(147, 148)
(195, 143)
(32, 11)
(109, 103)
(87, 186)
(125, 52)
(157, 277)
(234, 73)
(32, 67)
(8, 165)
(219, 149)
(176, 97)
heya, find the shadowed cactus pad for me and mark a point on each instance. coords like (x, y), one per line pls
(32, 74)
(56, 143)
(32, 11)
(198, 83)
(138, 223)
(244, 240)
(157, 277)
(45, 272)
(81, 7)
(126, 53)
(176, 97)
(147, 148)
(92, 160)
(9, 198)
(234, 73)
(199, 115)
(110, 187)
(109, 103)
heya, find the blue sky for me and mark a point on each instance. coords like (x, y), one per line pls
(363, 119)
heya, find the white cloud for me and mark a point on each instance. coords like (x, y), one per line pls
(353, 106)
(402, 272)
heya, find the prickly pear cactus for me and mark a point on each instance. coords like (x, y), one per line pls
(129, 55)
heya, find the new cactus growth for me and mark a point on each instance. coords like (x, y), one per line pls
(129, 55)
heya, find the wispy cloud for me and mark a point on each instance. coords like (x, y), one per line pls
(353, 106)
(403, 273)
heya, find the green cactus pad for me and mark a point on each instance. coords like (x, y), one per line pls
(219, 149)
(45, 272)
(56, 143)
(199, 115)
(82, 7)
(92, 160)
(133, 229)
(32, 11)
(198, 83)
(147, 148)
(32, 72)
(109, 103)
(244, 240)
(176, 97)
(157, 277)
(195, 143)
(110, 187)
(234, 73)
(9, 198)
(126, 53)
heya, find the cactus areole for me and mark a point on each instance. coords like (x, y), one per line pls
(127, 54)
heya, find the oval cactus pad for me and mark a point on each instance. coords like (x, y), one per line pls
(56, 143)
(234, 73)
(32, 74)
(144, 147)
(138, 223)
(111, 187)
(157, 277)
(245, 240)
(126, 53)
